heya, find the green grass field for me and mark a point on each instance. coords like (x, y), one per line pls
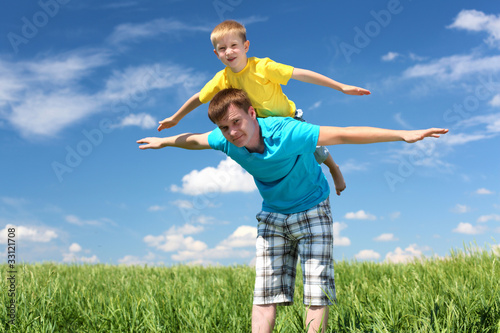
(459, 294)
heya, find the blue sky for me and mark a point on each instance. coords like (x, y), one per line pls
(80, 82)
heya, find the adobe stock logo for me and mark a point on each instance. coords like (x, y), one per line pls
(40, 19)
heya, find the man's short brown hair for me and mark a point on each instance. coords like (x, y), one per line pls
(226, 27)
(220, 103)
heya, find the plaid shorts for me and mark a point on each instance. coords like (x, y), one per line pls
(281, 239)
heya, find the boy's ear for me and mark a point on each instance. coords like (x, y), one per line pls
(215, 51)
(246, 45)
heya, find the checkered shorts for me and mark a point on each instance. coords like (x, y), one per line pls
(281, 239)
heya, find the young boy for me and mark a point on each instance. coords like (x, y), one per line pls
(261, 79)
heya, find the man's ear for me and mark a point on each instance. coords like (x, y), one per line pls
(252, 112)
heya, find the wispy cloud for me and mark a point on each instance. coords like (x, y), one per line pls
(43, 97)
(454, 68)
(131, 32)
(390, 56)
(460, 209)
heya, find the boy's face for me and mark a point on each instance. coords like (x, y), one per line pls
(231, 50)
(240, 128)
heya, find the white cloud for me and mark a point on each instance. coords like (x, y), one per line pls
(228, 176)
(142, 120)
(462, 138)
(50, 91)
(75, 247)
(385, 238)
(460, 209)
(129, 32)
(491, 122)
(454, 67)
(28, 234)
(174, 239)
(474, 20)
(390, 56)
(360, 215)
(337, 239)
(188, 249)
(399, 255)
(72, 256)
(484, 191)
(243, 236)
(486, 218)
(367, 255)
(468, 229)
(130, 260)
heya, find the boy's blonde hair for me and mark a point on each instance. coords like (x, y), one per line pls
(220, 103)
(226, 27)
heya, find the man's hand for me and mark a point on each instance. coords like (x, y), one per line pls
(167, 123)
(417, 135)
(352, 90)
(152, 143)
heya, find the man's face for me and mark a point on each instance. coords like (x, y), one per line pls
(240, 128)
(231, 50)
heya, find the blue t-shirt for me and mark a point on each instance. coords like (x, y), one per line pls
(287, 175)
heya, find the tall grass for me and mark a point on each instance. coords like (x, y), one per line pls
(459, 294)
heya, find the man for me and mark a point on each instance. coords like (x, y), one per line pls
(295, 217)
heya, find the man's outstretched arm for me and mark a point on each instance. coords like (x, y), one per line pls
(329, 135)
(185, 141)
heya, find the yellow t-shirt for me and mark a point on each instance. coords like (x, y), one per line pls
(261, 79)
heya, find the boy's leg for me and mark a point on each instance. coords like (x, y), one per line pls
(338, 179)
(323, 156)
(317, 316)
(263, 318)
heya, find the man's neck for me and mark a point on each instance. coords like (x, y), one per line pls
(259, 146)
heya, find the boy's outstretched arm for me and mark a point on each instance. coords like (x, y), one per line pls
(308, 76)
(185, 141)
(329, 135)
(191, 104)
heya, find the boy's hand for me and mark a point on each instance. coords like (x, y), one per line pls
(167, 123)
(352, 90)
(417, 135)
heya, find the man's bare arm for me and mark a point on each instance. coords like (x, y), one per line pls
(329, 135)
(185, 141)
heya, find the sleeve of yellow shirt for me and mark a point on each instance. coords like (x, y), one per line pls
(213, 86)
(276, 72)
